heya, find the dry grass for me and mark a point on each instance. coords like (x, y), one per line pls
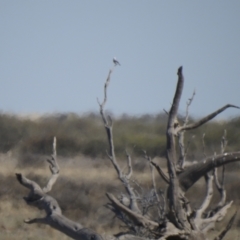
(80, 191)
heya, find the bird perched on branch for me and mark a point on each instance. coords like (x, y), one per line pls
(116, 62)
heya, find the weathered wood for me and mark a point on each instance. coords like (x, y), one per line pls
(193, 173)
(108, 124)
(39, 198)
(207, 118)
(138, 219)
(177, 220)
(54, 218)
(177, 213)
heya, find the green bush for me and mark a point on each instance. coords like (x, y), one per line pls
(86, 135)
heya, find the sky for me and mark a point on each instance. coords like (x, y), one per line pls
(55, 55)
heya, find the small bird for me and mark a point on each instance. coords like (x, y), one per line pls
(116, 62)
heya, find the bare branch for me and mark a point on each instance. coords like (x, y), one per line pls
(55, 147)
(105, 91)
(183, 151)
(161, 208)
(171, 150)
(207, 199)
(196, 171)
(220, 187)
(166, 111)
(31, 185)
(189, 102)
(154, 183)
(54, 168)
(108, 127)
(182, 156)
(203, 146)
(177, 213)
(171, 231)
(224, 141)
(36, 220)
(207, 118)
(128, 176)
(37, 197)
(54, 216)
(176, 99)
(228, 227)
(138, 219)
(108, 123)
(209, 223)
(161, 173)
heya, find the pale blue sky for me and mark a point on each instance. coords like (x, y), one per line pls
(55, 55)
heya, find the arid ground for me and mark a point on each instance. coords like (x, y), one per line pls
(80, 191)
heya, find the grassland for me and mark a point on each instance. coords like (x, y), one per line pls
(80, 191)
(86, 174)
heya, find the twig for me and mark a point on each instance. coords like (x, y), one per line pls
(161, 173)
(203, 145)
(228, 227)
(138, 219)
(161, 209)
(220, 186)
(128, 176)
(189, 102)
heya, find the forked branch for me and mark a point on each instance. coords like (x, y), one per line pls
(124, 178)
(54, 218)
(194, 172)
(207, 199)
(138, 219)
(182, 148)
(176, 206)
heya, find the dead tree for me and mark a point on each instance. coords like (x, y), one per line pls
(175, 217)
(39, 198)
